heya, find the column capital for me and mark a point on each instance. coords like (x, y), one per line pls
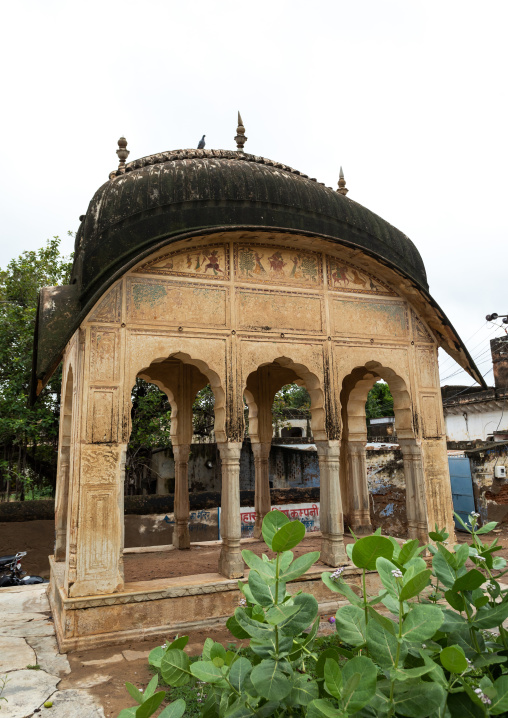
(181, 452)
(328, 449)
(229, 450)
(261, 450)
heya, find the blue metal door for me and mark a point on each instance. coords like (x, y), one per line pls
(462, 488)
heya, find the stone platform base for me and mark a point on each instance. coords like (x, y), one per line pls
(164, 607)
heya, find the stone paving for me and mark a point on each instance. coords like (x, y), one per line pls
(30, 662)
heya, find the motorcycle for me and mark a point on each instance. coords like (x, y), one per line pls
(12, 575)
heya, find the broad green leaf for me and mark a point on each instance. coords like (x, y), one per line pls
(418, 701)
(349, 550)
(406, 674)
(218, 651)
(383, 621)
(128, 712)
(455, 600)
(462, 554)
(268, 646)
(234, 627)
(285, 561)
(448, 556)
(422, 622)
(288, 536)
(385, 568)
(269, 681)
(239, 672)
(350, 625)
(304, 618)
(369, 548)
(264, 568)
(135, 693)
(304, 690)
(263, 593)
(487, 527)
(396, 548)
(462, 637)
(206, 671)
(155, 656)
(452, 621)
(437, 673)
(461, 705)
(150, 689)
(488, 660)
(333, 678)
(340, 586)
(151, 704)
(453, 659)
(277, 614)
(415, 585)
(382, 645)
(322, 708)
(328, 653)
(408, 551)
(443, 571)
(176, 709)
(468, 528)
(499, 704)
(469, 581)
(356, 694)
(180, 642)
(208, 645)
(255, 629)
(481, 602)
(175, 668)
(273, 521)
(300, 566)
(491, 617)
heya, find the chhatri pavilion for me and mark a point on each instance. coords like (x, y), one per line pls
(196, 267)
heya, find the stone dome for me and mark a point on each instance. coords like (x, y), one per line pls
(167, 195)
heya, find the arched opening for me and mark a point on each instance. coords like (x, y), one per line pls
(64, 471)
(273, 393)
(380, 490)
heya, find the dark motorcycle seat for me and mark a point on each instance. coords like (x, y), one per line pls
(5, 560)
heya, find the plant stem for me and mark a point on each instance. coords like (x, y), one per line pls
(365, 602)
(397, 655)
(277, 601)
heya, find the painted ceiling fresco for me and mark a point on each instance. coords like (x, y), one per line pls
(211, 262)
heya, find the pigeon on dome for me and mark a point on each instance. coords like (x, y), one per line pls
(201, 143)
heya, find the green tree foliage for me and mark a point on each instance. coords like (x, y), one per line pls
(28, 435)
(379, 401)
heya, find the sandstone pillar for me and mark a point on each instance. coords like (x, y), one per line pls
(61, 504)
(416, 508)
(181, 536)
(331, 519)
(262, 502)
(95, 555)
(359, 489)
(230, 560)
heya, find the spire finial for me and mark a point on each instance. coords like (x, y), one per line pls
(240, 138)
(122, 153)
(342, 184)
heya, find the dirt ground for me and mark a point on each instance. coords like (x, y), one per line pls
(199, 559)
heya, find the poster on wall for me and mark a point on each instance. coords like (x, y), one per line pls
(308, 514)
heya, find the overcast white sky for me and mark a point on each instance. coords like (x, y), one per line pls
(410, 97)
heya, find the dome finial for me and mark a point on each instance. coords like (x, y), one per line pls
(240, 138)
(122, 153)
(342, 184)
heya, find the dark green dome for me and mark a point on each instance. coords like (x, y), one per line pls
(162, 197)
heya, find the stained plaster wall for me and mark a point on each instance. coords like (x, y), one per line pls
(491, 494)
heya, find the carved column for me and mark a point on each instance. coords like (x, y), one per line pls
(331, 519)
(61, 504)
(181, 537)
(359, 489)
(416, 508)
(262, 502)
(230, 560)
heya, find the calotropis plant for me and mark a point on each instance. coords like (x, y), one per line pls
(400, 653)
